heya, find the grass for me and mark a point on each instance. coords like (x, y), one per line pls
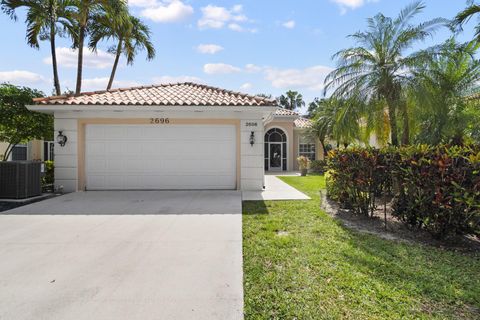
(299, 263)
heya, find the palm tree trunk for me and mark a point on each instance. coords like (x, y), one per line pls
(406, 125)
(56, 80)
(115, 64)
(81, 40)
(393, 122)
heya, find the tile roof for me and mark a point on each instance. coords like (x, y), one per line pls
(285, 112)
(302, 123)
(172, 94)
(299, 122)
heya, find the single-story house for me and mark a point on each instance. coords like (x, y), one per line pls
(37, 150)
(172, 136)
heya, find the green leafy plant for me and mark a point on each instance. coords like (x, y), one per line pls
(49, 177)
(436, 188)
(17, 123)
(439, 189)
(318, 166)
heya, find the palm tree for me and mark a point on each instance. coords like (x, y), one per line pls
(89, 11)
(45, 20)
(291, 100)
(377, 67)
(337, 119)
(451, 74)
(131, 35)
(464, 16)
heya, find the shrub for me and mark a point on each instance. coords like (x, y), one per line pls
(357, 176)
(49, 177)
(303, 162)
(436, 188)
(439, 189)
(318, 166)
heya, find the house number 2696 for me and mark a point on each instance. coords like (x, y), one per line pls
(159, 120)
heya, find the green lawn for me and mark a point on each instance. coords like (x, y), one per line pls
(299, 263)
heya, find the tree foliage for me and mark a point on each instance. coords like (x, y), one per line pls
(442, 92)
(291, 100)
(377, 67)
(17, 123)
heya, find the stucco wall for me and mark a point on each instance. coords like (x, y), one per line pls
(66, 157)
(251, 157)
(35, 150)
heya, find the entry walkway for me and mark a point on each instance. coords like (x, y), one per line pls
(275, 189)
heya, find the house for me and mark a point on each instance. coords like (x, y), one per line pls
(172, 136)
(33, 150)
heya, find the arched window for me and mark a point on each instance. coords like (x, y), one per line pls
(275, 150)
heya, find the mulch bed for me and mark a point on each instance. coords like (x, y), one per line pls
(395, 229)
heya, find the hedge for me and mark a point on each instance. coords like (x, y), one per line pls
(434, 188)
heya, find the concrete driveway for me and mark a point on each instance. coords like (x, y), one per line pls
(123, 255)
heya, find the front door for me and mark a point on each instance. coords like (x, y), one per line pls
(275, 156)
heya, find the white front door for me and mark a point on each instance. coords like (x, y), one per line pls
(146, 157)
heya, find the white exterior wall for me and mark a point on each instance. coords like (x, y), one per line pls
(251, 159)
(66, 163)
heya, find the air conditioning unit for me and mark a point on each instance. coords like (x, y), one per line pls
(20, 179)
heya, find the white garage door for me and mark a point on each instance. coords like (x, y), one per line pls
(143, 157)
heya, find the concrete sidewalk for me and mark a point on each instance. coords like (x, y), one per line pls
(275, 189)
(137, 264)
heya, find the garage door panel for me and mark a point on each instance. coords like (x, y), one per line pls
(160, 157)
(95, 148)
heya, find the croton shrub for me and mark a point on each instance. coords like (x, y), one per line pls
(357, 176)
(435, 188)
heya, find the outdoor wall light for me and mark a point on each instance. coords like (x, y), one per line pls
(61, 139)
(252, 138)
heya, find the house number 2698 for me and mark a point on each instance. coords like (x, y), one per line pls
(159, 120)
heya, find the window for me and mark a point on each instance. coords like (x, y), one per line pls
(19, 152)
(48, 147)
(306, 147)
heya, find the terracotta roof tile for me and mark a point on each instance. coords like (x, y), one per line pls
(285, 112)
(302, 123)
(172, 94)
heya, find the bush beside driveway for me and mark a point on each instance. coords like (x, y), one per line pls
(299, 263)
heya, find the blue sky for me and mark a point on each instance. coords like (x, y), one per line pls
(251, 46)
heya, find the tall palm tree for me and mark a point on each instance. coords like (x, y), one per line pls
(45, 20)
(131, 35)
(451, 74)
(464, 16)
(291, 100)
(377, 67)
(87, 12)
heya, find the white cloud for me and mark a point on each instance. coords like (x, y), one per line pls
(235, 27)
(351, 4)
(309, 78)
(251, 68)
(142, 3)
(172, 11)
(209, 48)
(220, 68)
(246, 86)
(215, 17)
(175, 79)
(21, 77)
(290, 24)
(67, 57)
(101, 84)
